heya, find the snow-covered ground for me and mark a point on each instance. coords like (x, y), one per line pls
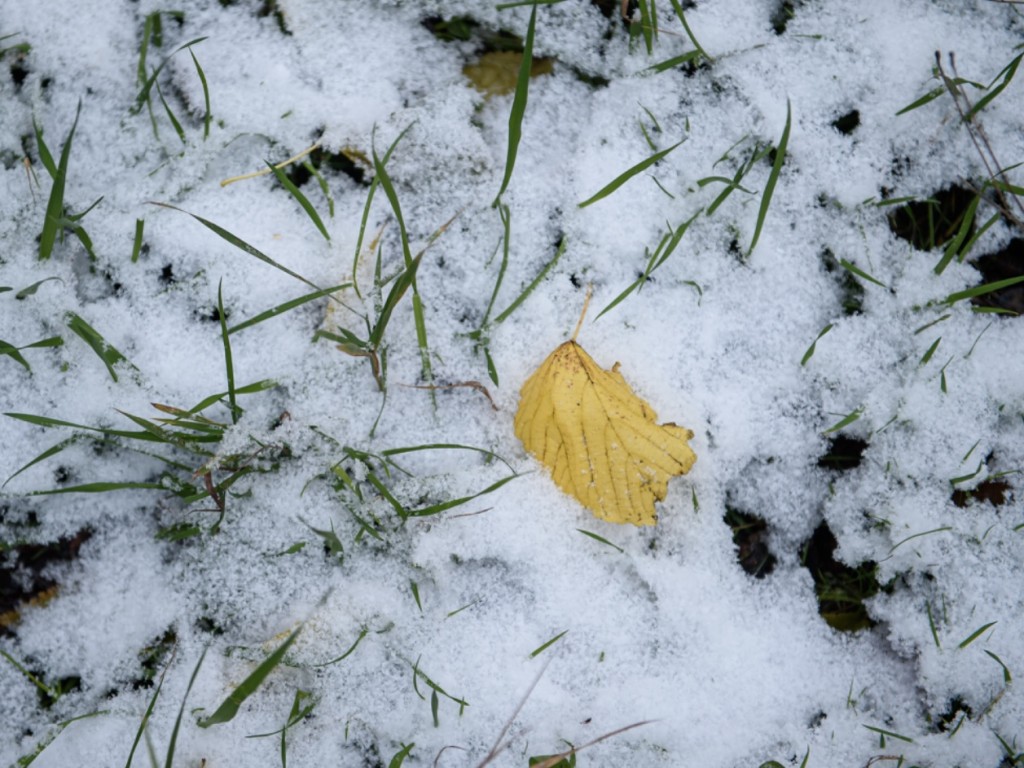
(657, 624)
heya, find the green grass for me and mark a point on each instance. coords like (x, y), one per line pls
(628, 174)
(229, 707)
(773, 178)
(810, 350)
(515, 118)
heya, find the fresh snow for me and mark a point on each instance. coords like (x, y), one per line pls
(663, 627)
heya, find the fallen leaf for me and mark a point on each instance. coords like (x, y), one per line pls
(497, 72)
(598, 438)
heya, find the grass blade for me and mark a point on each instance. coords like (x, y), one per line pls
(860, 273)
(533, 284)
(930, 96)
(53, 222)
(280, 309)
(689, 32)
(846, 421)
(411, 264)
(435, 509)
(675, 61)
(773, 177)
(137, 244)
(625, 176)
(538, 651)
(1007, 74)
(981, 290)
(105, 351)
(228, 364)
(229, 708)
(181, 712)
(241, 244)
(53, 450)
(101, 487)
(143, 96)
(515, 117)
(301, 199)
(810, 350)
(44, 151)
(976, 634)
(207, 115)
(170, 116)
(601, 539)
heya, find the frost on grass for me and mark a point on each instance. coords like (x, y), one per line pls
(877, 471)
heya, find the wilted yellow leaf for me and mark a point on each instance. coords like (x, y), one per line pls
(598, 438)
(496, 72)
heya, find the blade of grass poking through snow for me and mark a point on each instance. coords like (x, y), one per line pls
(1007, 677)
(534, 283)
(520, 3)
(207, 115)
(538, 651)
(689, 32)
(300, 198)
(53, 221)
(930, 351)
(891, 734)
(953, 247)
(137, 244)
(665, 248)
(601, 539)
(229, 366)
(169, 762)
(15, 352)
(241, 244)
(280, 309)
(105, 351)
(515, 118)
(976, 634)
(1006, 74)
(846, 421)
(675, 61)
(773, 178)
(399, 758)
(626, 175)
(53, 450)
(981, 290)
(913, 536)
(506, 223)
(44, 151)
(810, 350)
(229, 708)
(149, 710)
(170, 115)
(648, 23)
(410, 264)
(322, 182)
(143, 96)
(860, 273)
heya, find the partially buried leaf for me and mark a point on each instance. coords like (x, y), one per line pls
(598, 438)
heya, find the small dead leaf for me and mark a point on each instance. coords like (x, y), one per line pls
(496, 73)
(598, 438)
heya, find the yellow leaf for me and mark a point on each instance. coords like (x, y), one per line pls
(598, 438)
(497, 72)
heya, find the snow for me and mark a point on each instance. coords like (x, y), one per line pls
(659, 625)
